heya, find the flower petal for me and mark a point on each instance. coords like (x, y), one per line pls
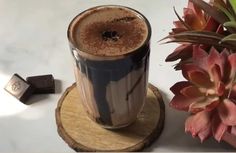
(192, 20)
(232, 60)
(200, 56)
(191, 92)
(218, 127)
(224, 63)
(233, 92)
(196, 10)
(211, 24)
(227, 112)
(197, 123)
(213, 58)
(207, 104)
(194, 17)
(205, 133)
(181, 52)
(224, 54)
(233, 130)
(199, 78)
(220, 89)
(177, 87)
(226, 68)
(215, 74)
(189, 67)
(212, 105)
(199, 53)
(180, 102)
(229, 138)
(179, 24)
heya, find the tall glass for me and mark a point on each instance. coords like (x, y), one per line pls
(112, 87)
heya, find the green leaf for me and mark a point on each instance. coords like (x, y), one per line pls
(198, 34)
(230, 24)
(230, 8)
(233, 4)
(230, 38)
(226, 12)
(197, 37)
(201, 37)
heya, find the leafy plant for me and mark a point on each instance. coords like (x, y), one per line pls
(207, 53)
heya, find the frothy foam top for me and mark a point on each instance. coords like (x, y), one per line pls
(109, 31)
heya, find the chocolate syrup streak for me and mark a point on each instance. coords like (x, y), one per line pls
(101, 73)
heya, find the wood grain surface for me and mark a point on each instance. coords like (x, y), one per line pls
(82, 134)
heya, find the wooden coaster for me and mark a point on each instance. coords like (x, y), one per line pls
(82, 134)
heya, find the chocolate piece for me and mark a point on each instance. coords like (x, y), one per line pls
(19, 88)
(42, 84)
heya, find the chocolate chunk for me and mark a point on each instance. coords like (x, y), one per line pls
(19, 88)
(42, 84)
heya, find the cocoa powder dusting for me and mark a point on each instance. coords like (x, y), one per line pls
(126, 34)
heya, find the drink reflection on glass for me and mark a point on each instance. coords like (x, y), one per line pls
(110, 46)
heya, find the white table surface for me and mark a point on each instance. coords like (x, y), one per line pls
(33, 41)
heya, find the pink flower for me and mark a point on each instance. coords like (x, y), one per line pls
(230, 136)
(193, 19)
(209, 93)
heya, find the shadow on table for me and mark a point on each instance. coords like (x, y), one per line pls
(37, 98)
(58, 86)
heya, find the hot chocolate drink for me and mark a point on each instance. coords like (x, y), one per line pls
(109, 31)
(110, 45)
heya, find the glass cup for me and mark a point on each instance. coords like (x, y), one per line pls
(112, 88)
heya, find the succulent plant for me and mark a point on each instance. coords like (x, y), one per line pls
(208, 94)
(193, 19)
(204, 24)
(207, 34)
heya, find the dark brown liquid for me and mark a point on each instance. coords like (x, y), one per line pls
(109, 31)
(112, 91)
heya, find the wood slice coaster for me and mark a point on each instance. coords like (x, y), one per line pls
(82, 134)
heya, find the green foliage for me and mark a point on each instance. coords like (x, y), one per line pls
(233, 4)
(229, 38)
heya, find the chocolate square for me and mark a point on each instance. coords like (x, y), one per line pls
(42, 84)
(19, 88)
